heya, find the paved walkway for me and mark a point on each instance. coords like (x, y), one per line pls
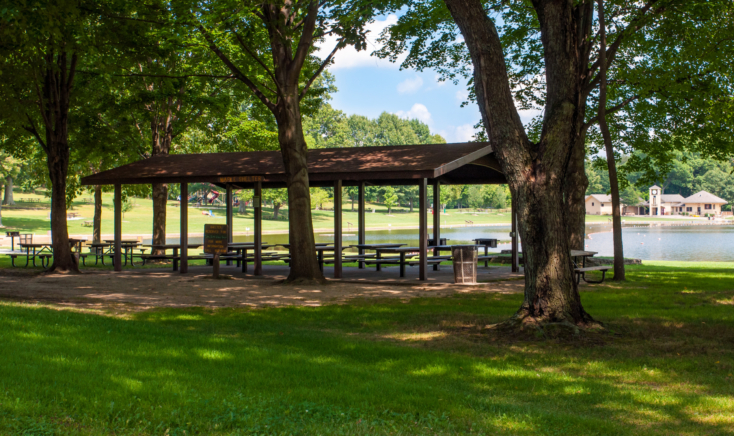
(388, 275)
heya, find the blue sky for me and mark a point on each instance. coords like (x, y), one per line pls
(369, 86)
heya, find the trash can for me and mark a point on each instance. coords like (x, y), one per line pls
(465, 263)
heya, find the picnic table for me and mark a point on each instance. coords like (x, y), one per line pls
(321, 248)
(374, 247)
(403, 253)
(42, 251)
(486, 243)
(241, 249)
(165, 247)
(107, 248)
(583, 269)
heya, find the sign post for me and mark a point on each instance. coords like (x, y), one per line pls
(216, 239)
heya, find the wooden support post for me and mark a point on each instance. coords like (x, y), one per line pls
(361, 235)
(338, 229)
(423, 229)
(436, 219)
(230, 230)
(257, 206)
(515, 260)
(229, 213)
(117, 259)
(183, 265)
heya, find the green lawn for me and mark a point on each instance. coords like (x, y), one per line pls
(34, 217)
(380, 367)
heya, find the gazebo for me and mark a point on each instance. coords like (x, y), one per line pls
(422, 165)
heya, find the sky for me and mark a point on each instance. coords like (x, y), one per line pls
(369, 86)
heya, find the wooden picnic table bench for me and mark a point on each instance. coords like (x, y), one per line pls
(581, 273)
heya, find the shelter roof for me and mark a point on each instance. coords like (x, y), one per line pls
(463, 163)
(704, 197)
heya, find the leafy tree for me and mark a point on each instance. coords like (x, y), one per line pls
(268, 48)
(544, 55)
(389, 198)
(277, 197)
(9, 167)
(318, 197)
(44, 46)
(631, 196)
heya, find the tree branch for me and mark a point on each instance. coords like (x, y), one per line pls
(257, 58)
(306, 41)
(318, 72)
(239, 74)
(33, 131)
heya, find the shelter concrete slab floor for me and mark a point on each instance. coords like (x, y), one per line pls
(141, 289)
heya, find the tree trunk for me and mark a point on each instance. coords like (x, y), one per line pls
(58, 163)
(243, 207)
(8, 197)
(1, 214)
(160, 198)
(619, 273)
(276, 210)
(97, 220)
(536, 172)
(411, 205)
(352, 198)
(575, 193)
(304, 265)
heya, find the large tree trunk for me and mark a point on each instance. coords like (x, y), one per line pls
(536, 172)
(162, 136)
(160, 199)
(58, 164)
(276, 210)
(8, 196)
(575, 193)
(304, 265)
(619, 274)
(243, 207)
(97, 220)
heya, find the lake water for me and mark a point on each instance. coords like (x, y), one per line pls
(680, 242)
(456, 235)
(647, 242)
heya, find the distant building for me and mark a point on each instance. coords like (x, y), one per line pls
(601, 204)
(700, 203)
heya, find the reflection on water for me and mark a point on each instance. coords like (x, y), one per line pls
(655, 242)
(455, 235)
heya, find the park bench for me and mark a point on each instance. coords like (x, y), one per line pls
(581, 273)
(45, 258)
(71, 215)
(87, 224)
(430, 261)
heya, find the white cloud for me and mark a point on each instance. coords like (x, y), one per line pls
(348, 57)
(409, 86)
(462, 95)
(463, 133)
(418, 111)
(438, 81)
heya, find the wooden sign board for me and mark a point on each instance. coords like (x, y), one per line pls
(245, 179)
(215, 238)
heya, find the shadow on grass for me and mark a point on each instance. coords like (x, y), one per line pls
(366, 368)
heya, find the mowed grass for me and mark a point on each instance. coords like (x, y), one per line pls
(380, 367)
(34, 217)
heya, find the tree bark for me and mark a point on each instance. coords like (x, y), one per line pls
(575, 194)
(619, 274)
(162, 137)
(304, 265)
(97, 220)
(8, 196)
(53, 105)
(243, 207)
(160, 198)
(276, 210)
(536, 172)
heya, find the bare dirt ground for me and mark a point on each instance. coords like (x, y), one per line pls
(141, 290)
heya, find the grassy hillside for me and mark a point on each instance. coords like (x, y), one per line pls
(33, 217)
